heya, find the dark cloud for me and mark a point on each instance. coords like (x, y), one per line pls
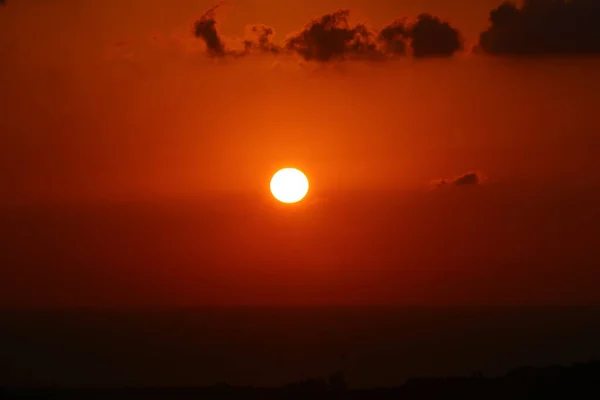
(543, 27)
(2, 2)
(393, 37)
(431, 37)
(469, 178)
(331, 37)
(206, 29)
(261, 39)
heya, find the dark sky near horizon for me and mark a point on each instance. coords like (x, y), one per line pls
(110, 101)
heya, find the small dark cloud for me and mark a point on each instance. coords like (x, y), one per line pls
(332, 37)
(543, 27)
(2, 2)
(206, 29)
(261, 39)
(431, 37)
(469, 178)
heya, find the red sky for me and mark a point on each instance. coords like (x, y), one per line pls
(108, 100)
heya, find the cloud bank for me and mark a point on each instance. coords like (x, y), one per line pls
(543, 27)
(331, 37)
(538, 27)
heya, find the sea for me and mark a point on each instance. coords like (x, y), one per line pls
(266, 346)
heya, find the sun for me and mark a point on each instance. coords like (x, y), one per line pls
(289, 185)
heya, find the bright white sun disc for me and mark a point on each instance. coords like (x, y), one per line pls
(289, 185)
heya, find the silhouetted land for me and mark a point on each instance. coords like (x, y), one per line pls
(576, 381)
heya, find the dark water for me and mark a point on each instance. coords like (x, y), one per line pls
(264, 346)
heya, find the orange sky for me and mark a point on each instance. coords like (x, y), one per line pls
(107, 98)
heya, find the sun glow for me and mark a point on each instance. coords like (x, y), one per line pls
(289, 185)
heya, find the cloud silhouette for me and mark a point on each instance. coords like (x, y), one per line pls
(206, 29)
(543, 27)
(466, 179)
(331, 37)
(431, 37)
(470, 178)
(2, 2)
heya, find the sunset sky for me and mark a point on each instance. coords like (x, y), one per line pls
(108, 101)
